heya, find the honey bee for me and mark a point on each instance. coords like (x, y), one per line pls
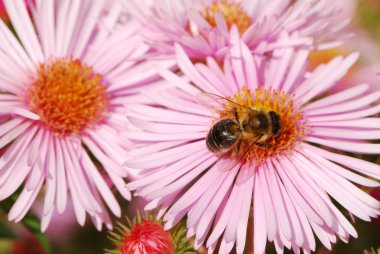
(246, 124)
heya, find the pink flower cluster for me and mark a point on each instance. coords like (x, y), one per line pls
(208, 109)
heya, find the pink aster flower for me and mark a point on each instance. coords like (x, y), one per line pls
(202, 27)
(65, 81)
(288, 160)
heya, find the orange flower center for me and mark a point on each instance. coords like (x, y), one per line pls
(292, 125)
(68, 96)
(232, 12)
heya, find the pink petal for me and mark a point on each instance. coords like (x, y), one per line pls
(101, 185)
(241, 233)
(365, 123)
(14, 133)
(338, 73)
(167, 156)
(61, 198)
(67, 16)
(295, 223)
(203, 212)
(308, 233)
(347, 145)
(236, 58)
(188, 68)
(308, 193)
(296, 67)
(183, 181)
(109, 145)
(166, 116)
(51, 184)
(279, 67)
(9, 125)
(338, 97)
(23, 25)
(351, 105)
(295, 195)
(87, 27)
(79, 210)
(195, 191)
(260, 219)
(80, 178)
(177, 81)
(359, 165)
(321, 234)
(175, 169)
(77, 185)
(223, 222)
(45, 23)
(338, 133)
(278, 202)
(17, 149)
(14, 49)
(25, 201)
(120, 185)
(347, 116)
(182, 169)
(271, 218)
(347, 201)
(40, 162)
(168, 128)
(108, 164)
(342, 171)
(217, 86)
(45, 220)
(346, 185)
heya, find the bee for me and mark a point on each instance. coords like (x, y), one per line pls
(246, 124)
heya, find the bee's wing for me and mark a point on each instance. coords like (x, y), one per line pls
(211, 100)
(226, 163)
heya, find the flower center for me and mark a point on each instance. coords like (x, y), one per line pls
(278, 136)
(148, 237)
(233, 13)
(68, 96)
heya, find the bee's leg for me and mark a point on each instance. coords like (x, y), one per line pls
(263, 145)
(236, 115)
(238, 146)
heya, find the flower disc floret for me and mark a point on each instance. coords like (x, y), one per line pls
(68, 96)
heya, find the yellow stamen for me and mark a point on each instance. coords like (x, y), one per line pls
(68, 96)
(292, 125)
(233, 14)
